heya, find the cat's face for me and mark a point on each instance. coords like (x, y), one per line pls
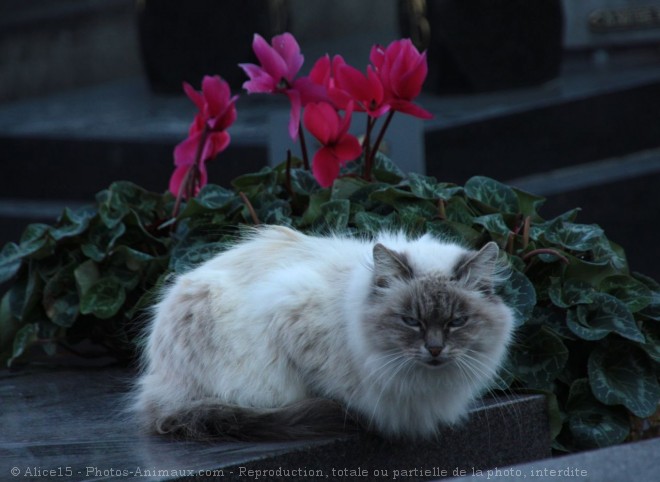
(436, 321)
(433, 321)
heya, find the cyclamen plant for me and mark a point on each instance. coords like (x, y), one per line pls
(392, 81)
(588, 333)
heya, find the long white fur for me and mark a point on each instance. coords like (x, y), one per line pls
(250, 353)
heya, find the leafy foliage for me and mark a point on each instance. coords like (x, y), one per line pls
(588, 329)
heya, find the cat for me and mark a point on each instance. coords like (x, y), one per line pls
(287, 335)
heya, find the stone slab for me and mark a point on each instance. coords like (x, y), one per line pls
(70, 421)
(623, 463)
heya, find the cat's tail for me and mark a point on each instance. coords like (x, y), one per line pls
(209, 420)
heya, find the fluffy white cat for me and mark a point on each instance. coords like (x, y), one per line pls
(287, 335)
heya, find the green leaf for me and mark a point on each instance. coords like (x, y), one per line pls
(519, 294)
(539, 358)
(195, 255)
(492, 193)
(429, 188)
(73, 223)
(334, 215)
(576, 237)
(385, 170)
(251, 183)
(529, 204)
(102, 240)
(25, 338)
(276, 212)
(593, 424)
(394, 196)
(103, 299)
(652, 335)
(64, 310)
(374, 223)
(303, 182)
(553, 319)
(36, 241)
(611, 253)
(11, 258)
(494, 224)
(86, 274)
(313, 210)
(622, 374)
(633, 293)
(345, 187)
(112, 207)
(210, 198)
(132, 258)
(60, 297)
(604, 315)
(454, 232)
(458, 211)
(24, 294)
(571, 293)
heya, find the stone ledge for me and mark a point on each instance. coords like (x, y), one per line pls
(623, 463)
(70, 418)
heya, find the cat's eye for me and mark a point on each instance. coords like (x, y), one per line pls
(410, 321)
(458, 322)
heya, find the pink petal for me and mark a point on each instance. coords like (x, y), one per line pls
(203, 177)
(193, 95)
(260, 81)
(409, 108)
(294, 119)
(375, 85)
(340, 98)
(177, 178)
(320, 73)
(322, 121)
(309, 91)
(287, 47)
(225, 118)
(347, 149)
(197, 126)
(186, 150)
(270, 60)
(410, 78)
(325, 167)
(354, 82)
(345, 123)
(377, 56)
(262, 85)
(216, 142)
(216, 93)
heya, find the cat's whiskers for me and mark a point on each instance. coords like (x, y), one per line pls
(392, 356)
(395, 371)
(489, 372)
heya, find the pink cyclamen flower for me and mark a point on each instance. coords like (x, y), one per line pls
(280, 63)
(324, 73)
(365, 90)
(402, 70)
(338, 146)
(207, 136)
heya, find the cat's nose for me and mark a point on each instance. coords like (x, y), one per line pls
(434, 350)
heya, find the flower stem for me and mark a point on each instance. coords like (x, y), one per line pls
(248, 204)
(303, 146)
(287, 181)
(381, 134)
(366, 147)
(191, 179)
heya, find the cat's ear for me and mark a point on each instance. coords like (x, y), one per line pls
(480, 271)
(388, 266)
